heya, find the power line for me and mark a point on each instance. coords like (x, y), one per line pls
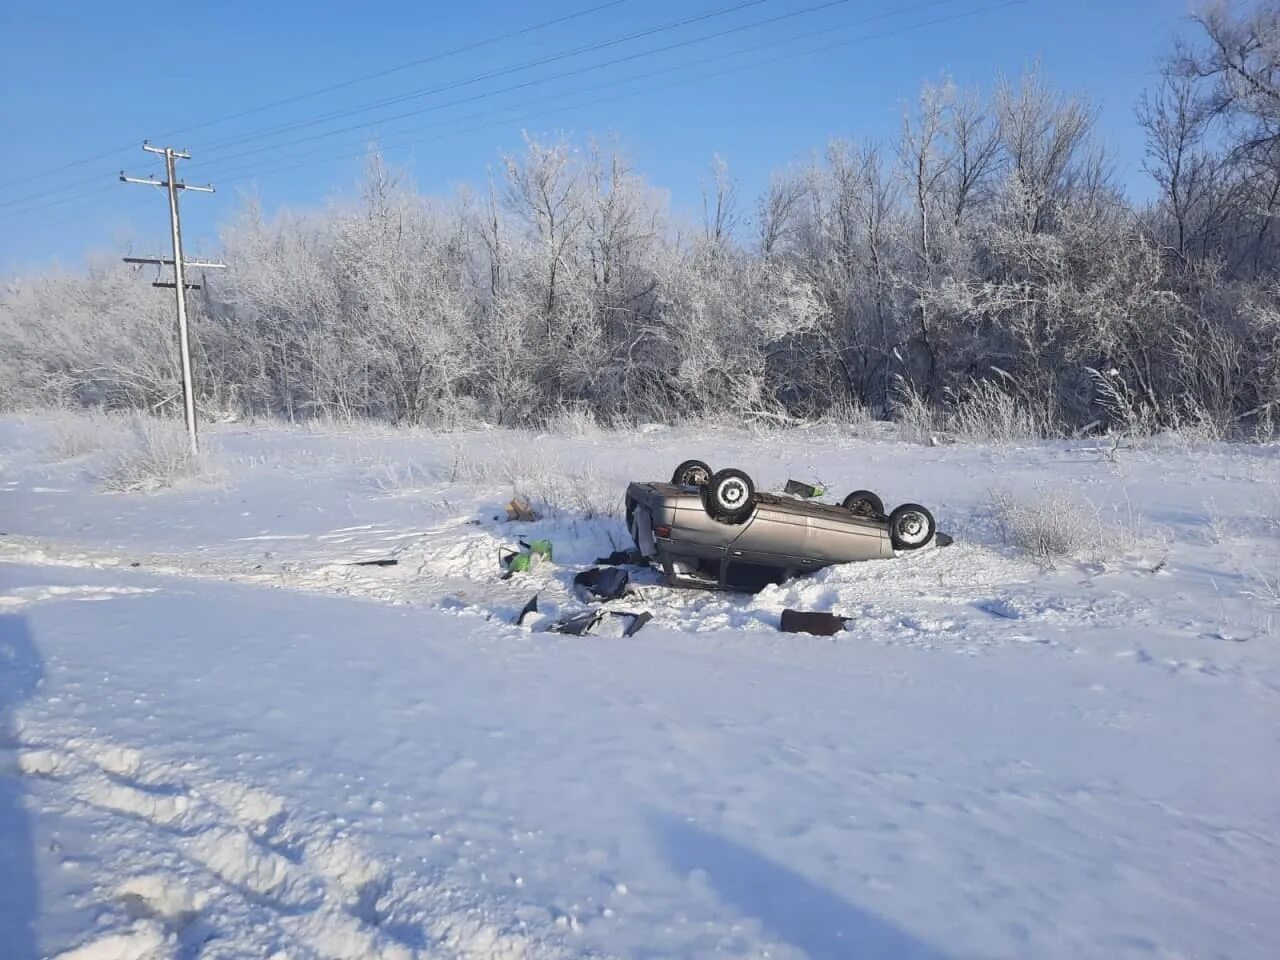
(399, 68)
(506, 71)
(235, 172)
(48, 204)
(577, 71)
(465, 48)
(307, 159)
(286, 128)
(236, 177)
(528, 65)
(62, 187)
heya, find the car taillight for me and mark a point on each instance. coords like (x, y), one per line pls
(662, 531)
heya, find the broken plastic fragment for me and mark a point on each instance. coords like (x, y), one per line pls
(607, 583)
(530, 607)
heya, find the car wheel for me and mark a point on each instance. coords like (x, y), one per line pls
(729, 496)
(692, 473)
(911, 526)
(864, 503)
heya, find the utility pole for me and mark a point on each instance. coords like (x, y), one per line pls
(179, 284)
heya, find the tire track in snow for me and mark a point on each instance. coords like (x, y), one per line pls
(198, 855)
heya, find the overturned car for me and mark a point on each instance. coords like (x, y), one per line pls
(713, 529)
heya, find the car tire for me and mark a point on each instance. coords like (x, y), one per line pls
(911, 526)
(730, 496)
(864, 503)
(691, 473)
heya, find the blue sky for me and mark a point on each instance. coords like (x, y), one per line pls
(84, 80)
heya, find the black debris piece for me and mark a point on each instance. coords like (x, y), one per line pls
(585, 623)
(943, 539)
(818, 624)
(381, 562)
(607, 583)
(577, 624)
(530, 607)
(638, 620)
(622, 558)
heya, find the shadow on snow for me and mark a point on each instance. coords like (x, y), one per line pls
(789, 907)
(20, 672)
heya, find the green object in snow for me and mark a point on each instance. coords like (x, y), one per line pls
(526, 558)
(807, 490)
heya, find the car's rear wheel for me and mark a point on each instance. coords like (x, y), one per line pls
(911, 526)
(729, 496)
(691, 473)
(864, 503)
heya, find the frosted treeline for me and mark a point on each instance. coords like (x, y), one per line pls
(981, 272)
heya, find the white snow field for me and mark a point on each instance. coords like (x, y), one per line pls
(222, 739)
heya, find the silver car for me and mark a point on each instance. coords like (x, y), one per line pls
(714, 530)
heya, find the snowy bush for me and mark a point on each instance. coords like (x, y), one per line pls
(1265, 587)
(573, 421)
(578, 494)
(986, 412)
(1051, 527)
(401, 479)
(1055, 524)
(917, 420)
(78, 433)
(981, 412)
(465, 465)
(156, 455)
(847, 413)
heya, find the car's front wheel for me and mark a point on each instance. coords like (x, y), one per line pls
(911, 526)
(729, 496)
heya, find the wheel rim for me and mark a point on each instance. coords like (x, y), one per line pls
(731, 494)
(913, 528)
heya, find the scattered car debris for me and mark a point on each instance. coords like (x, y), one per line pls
(624, 558)
(638, 620)
(576, 624)
(518, 510)
(530, 607)
(587, 622)
(529, 556)
(814, 622)
(607, 583)
(806, 490)
(379, 562)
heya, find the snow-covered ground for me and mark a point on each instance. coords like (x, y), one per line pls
(223, 739)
